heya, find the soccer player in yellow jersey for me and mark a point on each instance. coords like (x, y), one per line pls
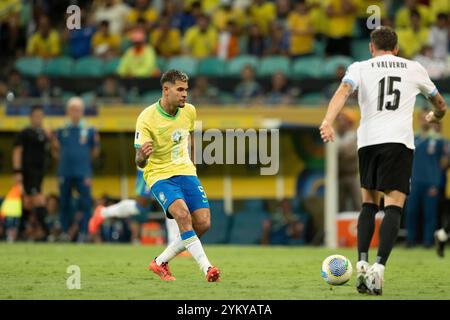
(163, 133)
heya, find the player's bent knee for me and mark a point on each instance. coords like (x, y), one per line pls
(202, 227)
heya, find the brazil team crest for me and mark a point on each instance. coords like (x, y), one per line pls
(162, 197)
(176, 136)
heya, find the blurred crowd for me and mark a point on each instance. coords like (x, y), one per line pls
(142, 35)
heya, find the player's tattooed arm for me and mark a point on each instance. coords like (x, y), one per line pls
(439, 109)
(143, 153)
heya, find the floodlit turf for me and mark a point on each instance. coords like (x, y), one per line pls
(38, 271)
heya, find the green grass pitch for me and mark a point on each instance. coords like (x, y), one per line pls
(39, 271)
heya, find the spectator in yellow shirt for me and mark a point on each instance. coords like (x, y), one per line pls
(45, 42)
(301, 30)
(226, 13)
(403, 15)
(262, 13)
(105, 44)
(411, 40)
(139, 60)
(165, 39)
(142, 10)
(200, 41)
(341, 18)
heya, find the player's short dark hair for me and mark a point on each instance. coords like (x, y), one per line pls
(384, 38)
(35, 108)
(173, 76)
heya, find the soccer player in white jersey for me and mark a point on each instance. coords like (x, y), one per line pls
(387, 86)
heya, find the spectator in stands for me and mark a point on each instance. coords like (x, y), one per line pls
(279, 93)
(277, 44)
(203, 92)
(349, 188)
(426, 177)
(262, 13)
(105, 44)
(17, 85)
(226, 13)
(75, 146)
(139, 60)
(12, 35)
(111, 91)
(248, 89)
(166, 39)
(200, 41)
(114, 11)
(341, 17)
(403, 18)
(300, 27)
(331, 88)
(52, 218)
(255, 41)
(282, 225)
(43, 89)
(188, 18)
(436, 68)
(44, 43)
(142, 10)
(3, 90)
(438, 37)
(282, 9)
(412, 40)
(228, 44)
(79, 40)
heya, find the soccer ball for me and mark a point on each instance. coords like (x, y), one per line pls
(336, 270)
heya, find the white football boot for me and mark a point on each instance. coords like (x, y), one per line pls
(375, 279)
(361, 268)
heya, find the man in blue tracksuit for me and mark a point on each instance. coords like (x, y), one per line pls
(426, 183)
(75, 146)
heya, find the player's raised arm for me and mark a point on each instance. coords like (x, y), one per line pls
(335, 106)
(439, 108)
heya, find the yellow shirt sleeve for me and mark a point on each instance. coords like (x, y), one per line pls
(194, 117)
(142, 133)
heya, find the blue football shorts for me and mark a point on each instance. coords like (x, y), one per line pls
(187, 188)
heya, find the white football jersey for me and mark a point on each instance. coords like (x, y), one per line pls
(387, 88)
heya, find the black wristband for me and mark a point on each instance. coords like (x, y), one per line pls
(17, 170)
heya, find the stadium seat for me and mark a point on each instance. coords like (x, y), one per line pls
(110, 67)
(59, 67)
(332, 63)
(235, 65)
(212, 67)
(307, 67)
(88, 67)
(218, 233)
(319, 47)
(30, 66)
(183, 63)
(270, 65)
(161, 62)
(150, 97)
(360, 50)
(311, 99)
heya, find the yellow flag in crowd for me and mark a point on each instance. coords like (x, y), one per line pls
(12, 204)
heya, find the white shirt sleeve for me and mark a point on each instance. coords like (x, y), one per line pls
(352, 76)
(426, 86)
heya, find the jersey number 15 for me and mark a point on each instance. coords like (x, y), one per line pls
(390, 91)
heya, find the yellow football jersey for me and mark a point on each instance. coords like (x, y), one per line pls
(170, 136)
